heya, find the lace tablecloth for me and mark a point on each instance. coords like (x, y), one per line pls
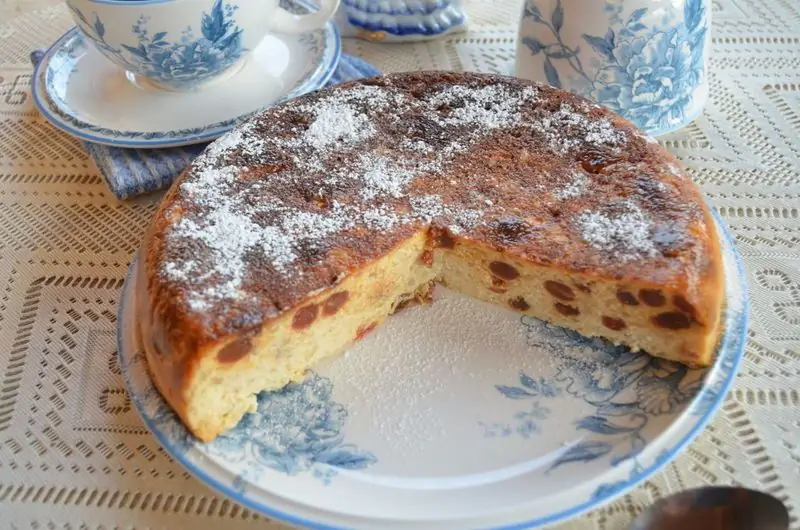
(74, 454)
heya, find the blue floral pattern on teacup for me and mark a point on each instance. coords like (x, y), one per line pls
(178, 64)
(646, 68)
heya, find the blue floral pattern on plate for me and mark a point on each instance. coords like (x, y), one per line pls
(637, 472)
(297, 429)
(527, 422)
(625, 390)
(647, 73)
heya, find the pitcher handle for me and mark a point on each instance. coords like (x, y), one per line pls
(283, 21)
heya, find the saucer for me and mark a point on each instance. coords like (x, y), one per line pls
(86, 95)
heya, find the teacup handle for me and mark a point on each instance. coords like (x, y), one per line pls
(282, 21)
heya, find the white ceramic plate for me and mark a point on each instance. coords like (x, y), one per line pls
(86, 95)
(455, 415)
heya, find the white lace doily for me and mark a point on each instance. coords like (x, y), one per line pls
(73, 453)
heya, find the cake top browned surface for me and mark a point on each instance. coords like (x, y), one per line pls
(308, 191)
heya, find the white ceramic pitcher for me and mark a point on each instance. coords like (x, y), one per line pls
(647, 60)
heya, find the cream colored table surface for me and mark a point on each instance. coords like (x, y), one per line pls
(73, 453)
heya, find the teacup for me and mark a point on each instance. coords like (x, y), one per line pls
(183, 44)
(646, 60)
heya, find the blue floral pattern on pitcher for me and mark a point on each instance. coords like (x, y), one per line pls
(648, 68)
(182, 63)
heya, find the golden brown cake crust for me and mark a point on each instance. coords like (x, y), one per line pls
(314, 189)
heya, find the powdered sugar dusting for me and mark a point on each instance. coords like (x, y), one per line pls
(382, 176)
(416, 145)
(489, 107)
(208, 185)
(575, 188)
(227, 252)
(335, 123)
(225, 142)
(427, 207)
(180, 271)
(316, 227)
(289, 209)
(566, 130)
(381, 218)
(430, 207)
(236, 139)
(627, 232)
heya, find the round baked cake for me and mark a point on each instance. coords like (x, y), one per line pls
(301, 230)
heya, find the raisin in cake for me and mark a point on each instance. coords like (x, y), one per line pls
(301, 230)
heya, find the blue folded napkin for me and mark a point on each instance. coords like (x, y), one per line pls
(131, 172)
